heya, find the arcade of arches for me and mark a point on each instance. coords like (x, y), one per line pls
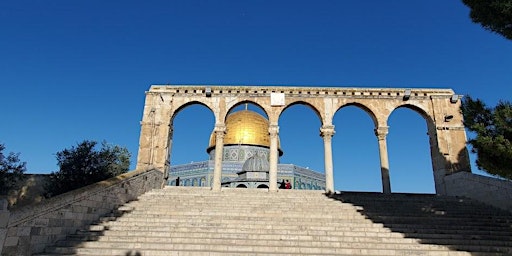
(439, 107)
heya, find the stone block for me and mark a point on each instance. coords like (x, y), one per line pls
(55, 231)
(4, 218)
(11, 241)
(9, 250)
(3, 205)
(41, 222)
(12, 231)
(39, 239)
(69, 215)
(36, 231)
(24, 231)
(3, 236)
(53, 222)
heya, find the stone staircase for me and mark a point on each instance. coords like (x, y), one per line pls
(198, 221)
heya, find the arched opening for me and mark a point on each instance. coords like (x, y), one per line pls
(356, 161)
(192, 125)
(241, 186)
(262, 186)
(303, 149)
(248, 105)
(409, 154)
(246, 126)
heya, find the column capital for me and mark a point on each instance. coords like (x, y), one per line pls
(327, 131)
(381, 132)
(220, 128)
(273, 130)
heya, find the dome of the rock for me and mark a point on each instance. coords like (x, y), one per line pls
(245, 127)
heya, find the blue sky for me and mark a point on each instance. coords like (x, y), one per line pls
(76, 70)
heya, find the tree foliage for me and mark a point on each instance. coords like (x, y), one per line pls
(493, 15)
(11, 170)
(493, 129)
(84, 164)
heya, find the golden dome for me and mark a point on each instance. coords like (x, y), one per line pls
(245, 127)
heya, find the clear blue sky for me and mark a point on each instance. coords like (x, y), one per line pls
(76, 70)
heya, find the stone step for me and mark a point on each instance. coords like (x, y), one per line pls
(198, 221)
(440, 222)
(227, 224)
(296, 247)
(334, 243)
(175, 252)
(269, 215)
(411, 212)
(213, 207)
(294, 224)
(321, 211)
(158, 230)
(423, 209)
(353, 231)
(267, 219)
(346, 252)
(248, 215)
(195, 236)
(409, 229)
(302, 212)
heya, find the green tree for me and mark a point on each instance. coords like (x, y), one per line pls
(11, 170)
(84, 165)
(493, 15)
(493, 130)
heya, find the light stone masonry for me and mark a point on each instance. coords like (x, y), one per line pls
(439, 107)
(30, 229)
(489, 190)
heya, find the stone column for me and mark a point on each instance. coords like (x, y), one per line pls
(219, 147)
(167, 168)
(381, 133)
(327, 131)
(272, 179)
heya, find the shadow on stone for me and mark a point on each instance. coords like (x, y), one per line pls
(458, 223)
(72, 243)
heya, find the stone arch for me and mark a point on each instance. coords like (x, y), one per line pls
(179, 108)
(300, 134)
(363, 107)
(262, 186)
(231, 107)
(416, 108)
(305, 103)
(241, 186)
(356, 147)
(184, 105)
(427, 128)
(163, 102)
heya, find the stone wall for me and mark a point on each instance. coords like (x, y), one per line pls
(30, 229)
(488, 190)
